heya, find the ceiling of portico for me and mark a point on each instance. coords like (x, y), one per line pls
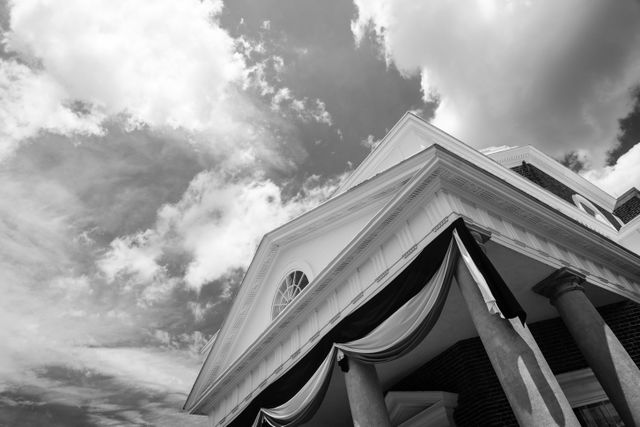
(520, 273)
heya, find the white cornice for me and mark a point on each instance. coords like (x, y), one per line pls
(629, 228)
(631, 192)
(356, 175)
(515, 156)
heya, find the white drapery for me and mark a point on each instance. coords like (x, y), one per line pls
(299, 405)
(394, 337)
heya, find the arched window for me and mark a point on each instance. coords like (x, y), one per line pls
(289, 288)
(586, 206)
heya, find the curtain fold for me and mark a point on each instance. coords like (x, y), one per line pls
(410, 324)
(487, 295)
(386, 327)
(393, 338)
(305, 403)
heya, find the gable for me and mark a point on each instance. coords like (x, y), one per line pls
(309, 254)
(402, 142)
(311, 241)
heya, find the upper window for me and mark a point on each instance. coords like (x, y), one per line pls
(586, 206)
(289, 288)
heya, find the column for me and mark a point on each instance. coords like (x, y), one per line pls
(610, 362)
(531, 388)
(365, 394)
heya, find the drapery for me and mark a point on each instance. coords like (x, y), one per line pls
(487, 296)
(294, 397)
(394, 337)
(304, 404)
(408, 326)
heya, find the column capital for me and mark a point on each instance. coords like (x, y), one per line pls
(559, 282)
(480, 234)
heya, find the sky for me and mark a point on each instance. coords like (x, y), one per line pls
(146, 147)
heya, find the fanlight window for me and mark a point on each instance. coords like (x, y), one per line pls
(586, 206)
(289, 288)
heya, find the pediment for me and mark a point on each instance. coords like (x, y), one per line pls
(410, 136)
(308, 243)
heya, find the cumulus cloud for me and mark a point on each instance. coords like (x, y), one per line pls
(556, 75)
(217, 224)
(165, 64)
(32, 101)
(303, 108)
(263, 73)
(618, 178)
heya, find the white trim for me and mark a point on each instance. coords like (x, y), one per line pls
(421, 408)
(207, 347)
(515, 156)
(282, 282)
(582, 203)
(629, 228)
(581, 387)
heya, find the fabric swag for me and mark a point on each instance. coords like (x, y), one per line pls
(388, 326)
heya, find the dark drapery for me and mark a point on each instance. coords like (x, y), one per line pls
(366, 318)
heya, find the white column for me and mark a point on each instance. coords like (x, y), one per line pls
(610, 362)
(531, 388)
(365, 395)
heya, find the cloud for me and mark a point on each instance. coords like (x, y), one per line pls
(163, 64)
(555, 75)
(618, 178)
(263, 73)
(218, 224)
(105, 386)
(31, 101)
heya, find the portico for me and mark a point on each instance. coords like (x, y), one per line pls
(428, 322)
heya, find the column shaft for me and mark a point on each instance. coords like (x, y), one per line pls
(365, 395)
(610, 362)
(531, 388)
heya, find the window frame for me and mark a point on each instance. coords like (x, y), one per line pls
(282, 294)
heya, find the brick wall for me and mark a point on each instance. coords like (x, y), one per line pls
(556, 187)
(628, 210)
(464, 368)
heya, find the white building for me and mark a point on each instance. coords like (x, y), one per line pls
(417, 276)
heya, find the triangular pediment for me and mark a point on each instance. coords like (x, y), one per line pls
(308, 243)
(408, 137)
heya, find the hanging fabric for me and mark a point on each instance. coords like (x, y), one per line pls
(487, 295)
(394, 337)
(410, 324)
(304, 403)
(386, 327)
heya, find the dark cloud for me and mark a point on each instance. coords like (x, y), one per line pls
(574, 161)
(629, 132)
(119, 180)
(362, 94)
(31, 410)
(82, 397)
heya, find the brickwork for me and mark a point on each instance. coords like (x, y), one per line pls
(556, 187)
(628, 210)
(464, 368)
